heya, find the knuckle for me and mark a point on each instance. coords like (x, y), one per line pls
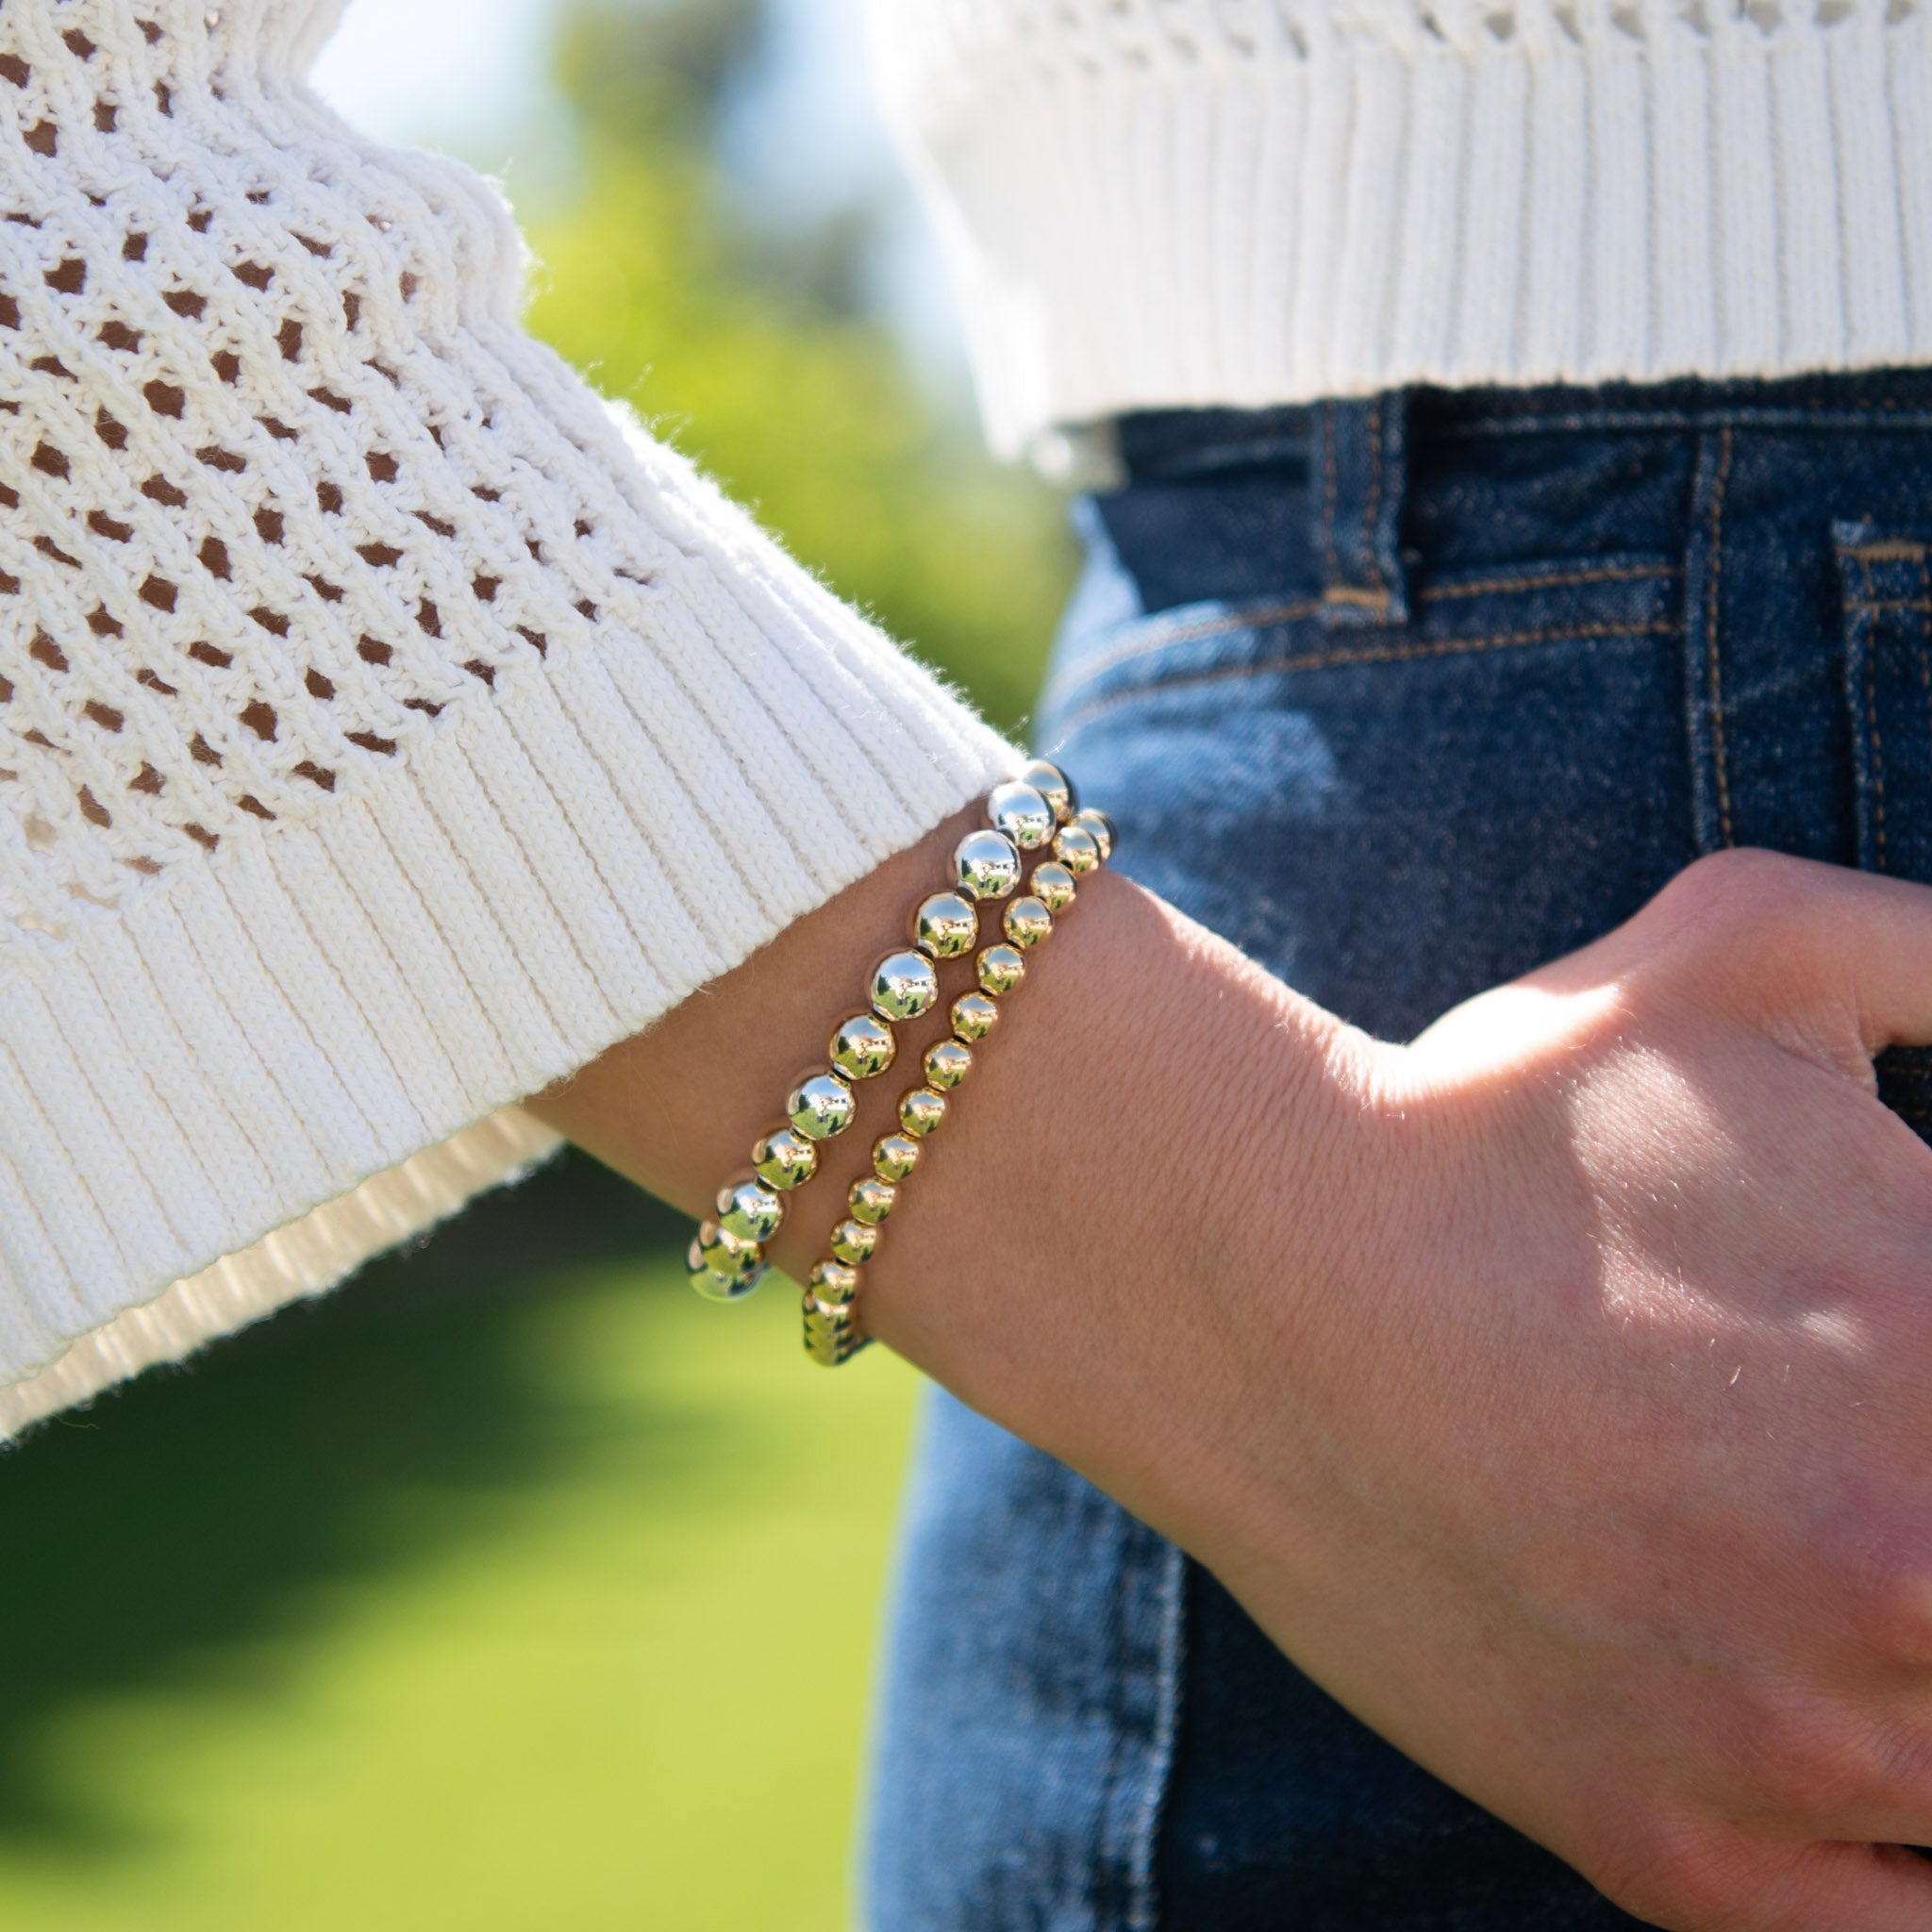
(1743, 892)
(1801, 1759)
(1884, 1599)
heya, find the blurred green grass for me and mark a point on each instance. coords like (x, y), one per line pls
(497, 1590)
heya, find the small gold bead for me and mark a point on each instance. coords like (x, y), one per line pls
(831, 1331)
(861, 1046)
(1052, 785)
(820, 1106)
(1028, 922)
(904, 986)
(871, 1199)
(985, 864)
(945, 926)
(893, 1157)
(1052, 884)
(1001, 969)
(1078, 849)
(714, 1287)
(750, 1209)
(973, 1017)
(947, 1062)
(784, 1159)
(1100, 826)
(853, 1241)
(1021, 813)
(922, 1111)
(834, 1287)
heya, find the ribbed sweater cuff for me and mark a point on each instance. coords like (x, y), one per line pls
(277, 1062)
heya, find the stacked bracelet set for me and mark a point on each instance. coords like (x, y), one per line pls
(1035, 813)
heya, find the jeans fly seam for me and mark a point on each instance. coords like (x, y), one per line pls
(1372, 499)
(1713, 670)
(1329, 554)
(1387, 654)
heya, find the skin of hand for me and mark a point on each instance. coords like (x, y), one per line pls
(1556, 1390)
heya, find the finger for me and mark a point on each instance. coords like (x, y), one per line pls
(1832, 1888)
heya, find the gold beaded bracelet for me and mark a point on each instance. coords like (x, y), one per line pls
(1034, 811)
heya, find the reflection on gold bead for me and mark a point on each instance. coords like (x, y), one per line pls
(904, 986)
(973, 1017)
(853, 1241)
(862, 1047)
(1100, 826)
(715, 1287)
(922, 1111)
(1052, 785)
(945, 926)
(738, 1263)
(1028, 922)
(947, 1062)
(1021, 813)
(1052, 884)
(784, 1159)
(1001, 969)
(1078, 849)
(820, 1106)
(750, 1209)
(834, 1286)
(893, 1157)
(831, 1330)
(871, 1199)
(985, 864)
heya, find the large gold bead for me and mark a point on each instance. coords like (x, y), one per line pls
(1100, 826)
(947, 1062)
(921, 1112)
(893, 1157)
(834, 1285)
(1052, 884)
(904, 986)
(1000, 969)
(1028, 922)
(985, 864)
(1021, 813)
(1078, 849)
(871, 1199)
(862, 1047)
(1052, 784)
(945, 926)
(715, 1287)
(973, 1017)
(750, 1209)
(853, 1241)
(820, 1106)
(784, 1159)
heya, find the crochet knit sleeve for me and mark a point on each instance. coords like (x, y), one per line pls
(387, 726)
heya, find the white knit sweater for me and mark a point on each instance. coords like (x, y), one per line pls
(1159, 202)
(386, 727)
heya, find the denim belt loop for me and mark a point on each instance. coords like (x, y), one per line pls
(1360, 476)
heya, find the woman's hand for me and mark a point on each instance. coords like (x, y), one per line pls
(1556, 1390)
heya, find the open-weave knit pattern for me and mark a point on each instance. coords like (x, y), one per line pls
(1154, 203)
(385, 728)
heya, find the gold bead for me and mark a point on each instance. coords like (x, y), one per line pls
(1021, 813)
(834, 1286)
(904, 986)
(1100, 826)
(862, 1047)
(853, 1241)
(1052, 884)
(1001, 969)
(973, 1017)
(750, 1209)
(945, 926)
(1052, 785)
(947, 1062)
(820, 1106)
(1028, 922)
(871, 1199)
(831, 1333)
(893, 1157)
(785, 1160)
(985, 864)
(1078, 849)
(921, 1112)
(715, 1287)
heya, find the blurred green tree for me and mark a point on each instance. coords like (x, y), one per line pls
(740, 352)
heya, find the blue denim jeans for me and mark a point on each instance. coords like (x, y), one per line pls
(1404, 696)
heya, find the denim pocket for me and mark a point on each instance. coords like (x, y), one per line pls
(1334, 797)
